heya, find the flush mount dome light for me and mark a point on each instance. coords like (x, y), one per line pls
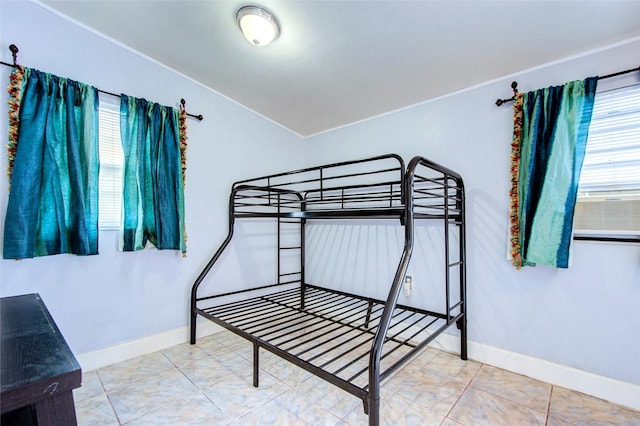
(258, 25)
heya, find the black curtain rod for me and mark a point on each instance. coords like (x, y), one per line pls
(14, 53)
(514, 85)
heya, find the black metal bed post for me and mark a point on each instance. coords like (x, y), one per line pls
(279, 236)
(256, 364)
(447, 259)
(373, 404)
(303, 283)
(368, 316)
(207, 268)
(462, 323)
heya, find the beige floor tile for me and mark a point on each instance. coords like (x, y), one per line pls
(208, 338)
(328, 396)
(183, 353)
(552, 421)
(91, 386)
(583, 409)
(243, 349)
(229, 339)
(421, 386)
(211, 345)
(150, 394)
(477, 408)
(448, 365)
(449, 422)
(95, 411)
(198, 410)
(282, 369)
(396, 411)
(521, 389)
(127, 372)
(267, 357)
(425, 355)
(232, 340)
(210, 370)
(290, 408)
(236, 396)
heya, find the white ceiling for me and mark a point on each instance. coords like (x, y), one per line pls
(337, 62)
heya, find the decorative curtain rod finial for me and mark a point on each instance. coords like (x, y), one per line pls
(514, 87)
(198, 117)
(14, 53)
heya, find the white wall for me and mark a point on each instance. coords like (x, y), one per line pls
(100, 301)
(588, 316)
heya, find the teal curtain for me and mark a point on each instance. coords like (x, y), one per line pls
(153, 193)
(53, 199)
(555, 127)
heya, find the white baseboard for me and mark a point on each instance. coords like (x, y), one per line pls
(91, 361)
(616, 391)
(613, 390)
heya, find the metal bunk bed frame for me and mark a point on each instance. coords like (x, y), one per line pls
(352, 341)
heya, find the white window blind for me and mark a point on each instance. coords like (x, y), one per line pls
(609, 192)
(111, 165)
(612, 161)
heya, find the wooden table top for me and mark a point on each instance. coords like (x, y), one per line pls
(35, 360)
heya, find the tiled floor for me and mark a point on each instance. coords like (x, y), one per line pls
(211, 384)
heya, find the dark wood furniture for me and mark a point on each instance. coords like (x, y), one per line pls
(39, 371)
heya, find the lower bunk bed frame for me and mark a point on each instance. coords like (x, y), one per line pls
(352, 341)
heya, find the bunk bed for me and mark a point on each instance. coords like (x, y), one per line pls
(354, 341)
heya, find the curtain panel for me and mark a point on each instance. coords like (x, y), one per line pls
(551, 127)
(153, 181)
(53, 166)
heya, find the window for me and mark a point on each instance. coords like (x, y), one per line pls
(111, 165)
(608, 204)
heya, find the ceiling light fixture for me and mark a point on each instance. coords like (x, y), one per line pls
(258, 25)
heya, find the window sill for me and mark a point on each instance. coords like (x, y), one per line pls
(612, 238)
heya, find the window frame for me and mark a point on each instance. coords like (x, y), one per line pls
(611, 235)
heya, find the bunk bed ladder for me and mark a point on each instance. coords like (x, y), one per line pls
(285, 246)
